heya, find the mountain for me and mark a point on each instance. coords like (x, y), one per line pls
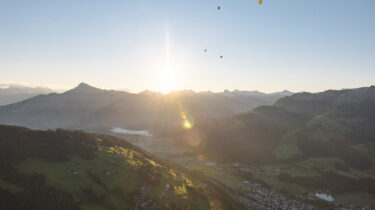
(60, 169)
(321, 141)
(283, 93)
(347, 116)
(14, 93)
(255, 93)
(308, 141)
(90, 108)
(59, 110)
(245, 93)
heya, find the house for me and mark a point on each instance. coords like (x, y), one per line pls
(324, 196)
(74, 172)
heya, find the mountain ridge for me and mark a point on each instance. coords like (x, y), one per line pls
(86, 106)
(13, 93)
(340, 114)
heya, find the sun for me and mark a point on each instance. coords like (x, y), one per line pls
(168, 80)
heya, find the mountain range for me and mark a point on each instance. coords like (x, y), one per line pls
(313, 141)
(346, 117)
(12, 93)
(87, 107)
(304, 142)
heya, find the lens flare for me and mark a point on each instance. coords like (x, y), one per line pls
(187, 125)
(187, 122)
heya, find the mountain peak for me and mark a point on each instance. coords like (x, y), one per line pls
(84, 88)
(284, 93)
(84, 85)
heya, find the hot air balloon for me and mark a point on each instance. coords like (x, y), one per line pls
(260, 1)
(218, 8)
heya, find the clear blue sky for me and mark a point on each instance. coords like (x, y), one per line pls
(299, 45)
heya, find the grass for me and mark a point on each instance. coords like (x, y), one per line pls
(323, 164)
(328, 126)
(288, 147)
(355, 198)
(330, 122)
(314, 166)
(125, 162)
(368, 150)
(297, 170)
(308, 168)
(228, 179)
(9, 186)
(57, 173)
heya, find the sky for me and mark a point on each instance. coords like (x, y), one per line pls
(299, 45)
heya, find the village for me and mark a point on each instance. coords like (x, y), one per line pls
(256, 196)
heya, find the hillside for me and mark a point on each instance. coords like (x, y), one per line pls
(346, 116)
(90, 108)
(63, 169)
(322, 141)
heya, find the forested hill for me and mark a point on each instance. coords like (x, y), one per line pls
(60, 169)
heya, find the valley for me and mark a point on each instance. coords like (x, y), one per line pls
(187, 105)
(263, 186)
(305, 151)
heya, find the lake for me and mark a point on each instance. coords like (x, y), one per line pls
(119, 130)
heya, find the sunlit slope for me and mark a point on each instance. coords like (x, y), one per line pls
(74, 170)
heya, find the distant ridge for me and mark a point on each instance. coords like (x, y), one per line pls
(12, 93)
(255, 93)
(88, 107)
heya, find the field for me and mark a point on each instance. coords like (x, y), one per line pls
(113, 168)
(11, 187)
(359, 198)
